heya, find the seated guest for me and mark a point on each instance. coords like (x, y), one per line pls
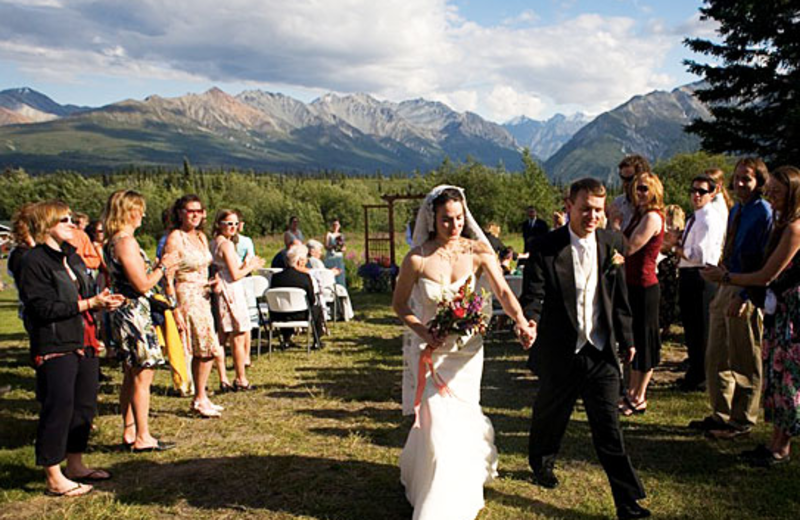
(58, 296)
(279, 261)
(507, 257)
(492, 233)
(296, 275)
(315, 249)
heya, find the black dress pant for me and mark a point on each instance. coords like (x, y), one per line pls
(695, 295)
(317, 319)
(66, 387)
(593, 377)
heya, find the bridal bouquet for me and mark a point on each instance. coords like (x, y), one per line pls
(462, 315)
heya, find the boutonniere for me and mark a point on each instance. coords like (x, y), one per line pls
(614, 260)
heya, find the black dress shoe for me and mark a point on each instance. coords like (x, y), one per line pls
(707, 424)
(631, 511)
(545, 476)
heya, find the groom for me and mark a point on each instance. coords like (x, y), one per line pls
(574, 289)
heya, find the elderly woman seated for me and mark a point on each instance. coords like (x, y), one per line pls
(315, 263)
(296, 275)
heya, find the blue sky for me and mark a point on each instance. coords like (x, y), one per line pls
(498, 58)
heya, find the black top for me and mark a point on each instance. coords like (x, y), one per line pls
(50, 297)
(291, 277)
(15, 260)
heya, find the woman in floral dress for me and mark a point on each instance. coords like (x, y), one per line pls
(192, 289)
(781, 342)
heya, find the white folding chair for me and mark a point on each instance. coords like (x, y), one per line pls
(254, 288)
(288, 299)
(327, 287)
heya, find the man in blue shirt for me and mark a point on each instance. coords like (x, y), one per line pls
(733, 354)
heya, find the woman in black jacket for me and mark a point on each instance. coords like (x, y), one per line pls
(58, 297)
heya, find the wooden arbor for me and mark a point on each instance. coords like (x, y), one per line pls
(376, 244)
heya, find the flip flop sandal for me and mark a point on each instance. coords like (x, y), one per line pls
(96, 475)
(77, 491)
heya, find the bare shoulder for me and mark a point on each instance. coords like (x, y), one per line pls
(480, 248)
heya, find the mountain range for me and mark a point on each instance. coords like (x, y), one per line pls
(354, 133)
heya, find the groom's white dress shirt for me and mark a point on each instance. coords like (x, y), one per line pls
(584, 261)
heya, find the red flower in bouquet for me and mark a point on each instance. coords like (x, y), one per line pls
(460, 316)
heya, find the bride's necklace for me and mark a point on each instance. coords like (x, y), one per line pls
(449, 254)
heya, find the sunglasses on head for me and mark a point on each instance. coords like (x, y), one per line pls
(642, 189)
(699, 191)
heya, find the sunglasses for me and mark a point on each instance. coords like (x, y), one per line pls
(698, 191)
(229, 223)
(642, 189)
(194, 211)
(66, 220)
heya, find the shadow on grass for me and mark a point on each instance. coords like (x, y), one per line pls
(304, 486)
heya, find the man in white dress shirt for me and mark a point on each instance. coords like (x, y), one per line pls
(700, 245)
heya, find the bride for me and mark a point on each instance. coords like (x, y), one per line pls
(449, 454)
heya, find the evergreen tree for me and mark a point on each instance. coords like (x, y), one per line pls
(753, 91)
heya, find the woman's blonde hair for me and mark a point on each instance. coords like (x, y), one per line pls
(656, 191)
(675, 216)
(119, 207)
(718, 176)
(45, 215)
(494, 229)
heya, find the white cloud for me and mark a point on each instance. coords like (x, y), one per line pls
(394, 49)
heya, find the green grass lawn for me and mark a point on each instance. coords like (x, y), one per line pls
(321, 435)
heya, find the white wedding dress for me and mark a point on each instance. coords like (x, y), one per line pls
(448, 459)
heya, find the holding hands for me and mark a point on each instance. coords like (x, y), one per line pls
(526, 332)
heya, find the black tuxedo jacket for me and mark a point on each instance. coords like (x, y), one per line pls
(549, 297)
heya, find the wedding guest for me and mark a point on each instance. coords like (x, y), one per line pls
(559, 218)
(58, 297)
(293, 232)
(244, 244)
(668, 267)
(335, 246)
(643, 238)
(781, 275)
(23, 239)
(492, 233)
(296, 275)
(85, 248)
(733, 357)
(244, 248)
(721, 200)
(315, 249)
(623, 208)
(700, 245)
(532, 227)
(191, 285)
(132, 330)
(81, 221)
(507, 257)
(165, 216)
(234, 315)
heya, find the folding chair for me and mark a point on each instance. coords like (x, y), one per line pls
(288, 299)
(254, 288)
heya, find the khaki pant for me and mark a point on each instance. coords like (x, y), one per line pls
(733, 361)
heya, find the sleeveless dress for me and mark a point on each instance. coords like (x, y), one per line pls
(194, 298)
(132, 329)
(781, 351)
(334, 258)
(234, 315)
(644, 295)
(451, 455)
